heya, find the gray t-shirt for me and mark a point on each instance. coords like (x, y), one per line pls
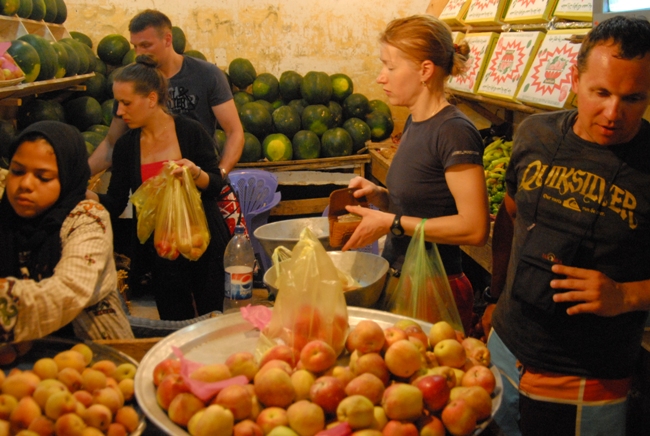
(416, 178)
(195, 89)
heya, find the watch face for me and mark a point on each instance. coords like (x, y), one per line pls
(397, 229)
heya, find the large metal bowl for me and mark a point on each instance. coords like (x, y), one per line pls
(370, 270)
(287, 233)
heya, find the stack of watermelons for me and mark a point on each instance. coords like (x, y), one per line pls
(296, 117)
(50, 11)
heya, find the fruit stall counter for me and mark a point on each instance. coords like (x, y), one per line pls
(305, 184)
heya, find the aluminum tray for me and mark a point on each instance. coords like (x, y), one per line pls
(50, 346)
(214, 339)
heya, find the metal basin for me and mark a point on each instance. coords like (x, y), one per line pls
(370, 270)
(287, 233)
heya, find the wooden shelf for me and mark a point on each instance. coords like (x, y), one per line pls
(508, 105)
(42, 86)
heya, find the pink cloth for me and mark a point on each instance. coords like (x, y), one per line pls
(259, 316)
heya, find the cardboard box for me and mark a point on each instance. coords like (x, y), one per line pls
(454, 12)
(509, 63)
(480, 45)
(485, 12)
(529, 11)
(577, 10)
(548, 82)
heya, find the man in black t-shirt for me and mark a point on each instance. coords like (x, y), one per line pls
(571, 245)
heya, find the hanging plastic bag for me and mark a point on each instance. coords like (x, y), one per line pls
(423, 290)
(146, 199)
(181, 226)
(310, 303)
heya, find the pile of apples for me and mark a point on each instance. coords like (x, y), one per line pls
(396, 381)
(69, 395)
(9, 70)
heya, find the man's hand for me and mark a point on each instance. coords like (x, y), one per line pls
(486, 320)
(592, 291)
(365, 188)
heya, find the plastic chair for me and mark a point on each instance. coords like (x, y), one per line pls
(257, 194)
(370, 248)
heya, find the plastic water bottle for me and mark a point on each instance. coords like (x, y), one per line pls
(238, 261)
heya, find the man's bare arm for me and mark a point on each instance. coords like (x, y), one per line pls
(226, 114)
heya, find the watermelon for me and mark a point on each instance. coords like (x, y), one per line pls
(336, 142)
(277, 147)
(337, 113)
(381, 126)
(286, 120)
(50, 11)
(252, 149)
(61, 12)
(242, 73)
(306, 145)
(290, 82)
(26, 58)
(78, 47)
(277, 103)
(46, 54)
(109, 82)
(112, 48)
(9, 7)
(268, 106)
(316, 87)
(39, 110)
(100, 66)
(107, 111)
(98, 128)
(72, 66)
(266, 87)
(83, 112)
(241, 98)
(129, 57)
(195, 54)
(96, 87)
(82, 38)
(356, 106)
(92, 59)
(38, 10)
(317, 118)
(25, 9)
(342, 87)
(93, 137)
(178, 39)
(256, 119)
(7, 135)
(298, 104)
(378, 105)
(359, 132)
(219, 141)
(62, 58)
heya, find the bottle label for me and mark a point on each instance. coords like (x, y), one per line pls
(239, 283)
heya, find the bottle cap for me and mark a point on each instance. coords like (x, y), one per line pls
(239, 229)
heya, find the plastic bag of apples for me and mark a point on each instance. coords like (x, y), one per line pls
(310, 303)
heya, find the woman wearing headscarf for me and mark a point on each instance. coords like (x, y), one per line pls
(56, 247)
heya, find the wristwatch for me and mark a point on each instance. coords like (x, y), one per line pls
(224, 174)
(396, 229)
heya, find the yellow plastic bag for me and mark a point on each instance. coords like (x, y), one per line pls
(146, 199)
(423, 290)
(310, 303)
(181, 226)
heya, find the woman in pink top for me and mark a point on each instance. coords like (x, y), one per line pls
(182, 288)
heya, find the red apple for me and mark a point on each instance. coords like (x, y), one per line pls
(242, 363)
(430, 425)
(415, 331)
(273, 387)
(392, 335)
(327, 391)
(183, 407)
(237, 399)
(459, 418)
(435, 391)
(480, 376)
(272, 417)
(398, 428)
(247, 428)
(402, 402)
(477, 398)
(317, 356)
(279, 352)
(367, 385)
(170, 386)
(367, 337)
(403, 358)
(372, 363)
(305, 417)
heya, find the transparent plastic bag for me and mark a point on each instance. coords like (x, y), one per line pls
(423, 290)
(181, 226)
(146, 199)
(310, 303)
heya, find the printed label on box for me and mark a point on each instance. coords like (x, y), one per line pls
(509, 63)
(529, 11)
(480, 46)
(575, 9)
(548, 82)
(484, 11)
(454, 10)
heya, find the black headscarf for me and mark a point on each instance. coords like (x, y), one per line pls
(37, 239)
